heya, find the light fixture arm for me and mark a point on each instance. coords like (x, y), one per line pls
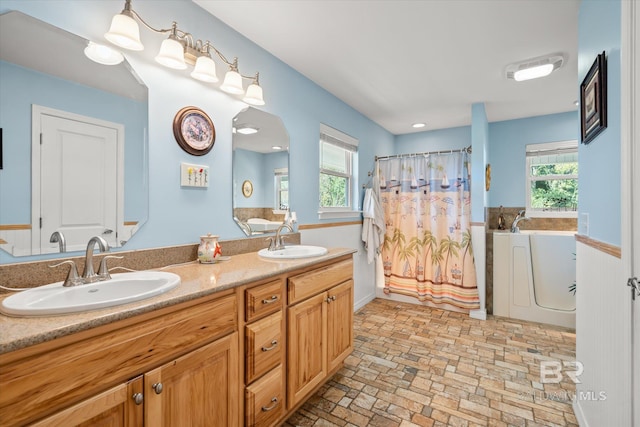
(193, 50)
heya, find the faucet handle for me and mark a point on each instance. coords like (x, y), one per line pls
(272, 243)
(103, 271)
(72, 278)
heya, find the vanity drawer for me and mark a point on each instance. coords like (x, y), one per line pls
(313, 282)
(264, 299)
(264, 399)
(264, 346)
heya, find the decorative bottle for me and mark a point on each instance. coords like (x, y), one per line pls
(209, 249)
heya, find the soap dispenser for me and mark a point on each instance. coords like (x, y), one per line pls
(501, 221)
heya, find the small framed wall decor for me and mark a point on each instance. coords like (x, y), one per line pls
(593, 100)
(247, 188)
(194, 131)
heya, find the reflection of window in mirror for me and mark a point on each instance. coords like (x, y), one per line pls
(282, 188)
(338, 158)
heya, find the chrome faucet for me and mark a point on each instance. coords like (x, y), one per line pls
(520, 217)
(89, 275)
(277, 242)
(58, 237)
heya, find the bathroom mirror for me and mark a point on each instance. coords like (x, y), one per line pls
(260, 171)
(43, 68)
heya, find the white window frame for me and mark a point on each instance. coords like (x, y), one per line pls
(547, 148)
(334, 136)
(277, 176)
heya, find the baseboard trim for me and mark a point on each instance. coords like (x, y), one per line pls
(478, 314)
(363, 301)
(577, 411)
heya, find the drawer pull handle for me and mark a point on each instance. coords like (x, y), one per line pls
(268, 408)
(274, 343)
(274, 298)
(138, 398)
(157, 387)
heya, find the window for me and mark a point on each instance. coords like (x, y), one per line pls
(552, 179)
(282, 188)
(338, 153)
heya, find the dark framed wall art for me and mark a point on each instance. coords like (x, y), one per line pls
(593, 100)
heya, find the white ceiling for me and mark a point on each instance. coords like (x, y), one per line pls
(405, 61)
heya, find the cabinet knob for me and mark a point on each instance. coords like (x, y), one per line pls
(273, 299)
(333, 298)
(272, 406)
(274, 343)
(157, 387)
(138, 398)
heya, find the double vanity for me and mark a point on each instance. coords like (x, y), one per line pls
(240, 342)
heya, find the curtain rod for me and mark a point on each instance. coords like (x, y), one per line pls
(395, 156)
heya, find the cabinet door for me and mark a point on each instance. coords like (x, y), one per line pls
(306, 337)
(115, 407)
(201, 388)
(339, 324)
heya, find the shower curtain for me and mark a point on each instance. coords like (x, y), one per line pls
(427, 251)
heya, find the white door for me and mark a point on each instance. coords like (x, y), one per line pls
(78, 181)
(634, 142)
(630, 54)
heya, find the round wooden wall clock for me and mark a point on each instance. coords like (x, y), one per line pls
(194, 131)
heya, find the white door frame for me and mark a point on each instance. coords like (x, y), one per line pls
(630, 169)
(37, 111)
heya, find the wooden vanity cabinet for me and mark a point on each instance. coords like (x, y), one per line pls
(274, 341)
(319, 327)
(94, 377)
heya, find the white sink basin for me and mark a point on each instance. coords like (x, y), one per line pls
(121, 289)
(293, 252)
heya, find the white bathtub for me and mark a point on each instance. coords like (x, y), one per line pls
(532, 272)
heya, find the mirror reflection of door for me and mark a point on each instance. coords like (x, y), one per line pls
(78, 179)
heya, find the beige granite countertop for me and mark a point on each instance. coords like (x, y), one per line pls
(197, 280)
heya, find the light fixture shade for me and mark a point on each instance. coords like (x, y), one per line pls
(171, 54)
(254, 95)
(103, 54)
(205, 70)
(124, 32)
(533, 72)
(534, 68)
(232, 83)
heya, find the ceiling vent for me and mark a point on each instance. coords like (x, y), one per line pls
(534, 68)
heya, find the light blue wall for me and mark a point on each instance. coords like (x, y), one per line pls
(599, 30)
(479, 143)
(507, 152)
(434, 140)
(178, 216)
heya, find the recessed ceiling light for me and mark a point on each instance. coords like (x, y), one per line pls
(246, 129)
(276, 147)
(418, 125)
(576, 102)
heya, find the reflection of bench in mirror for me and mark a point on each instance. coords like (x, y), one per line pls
(261, 225)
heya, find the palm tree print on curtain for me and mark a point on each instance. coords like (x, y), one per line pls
(427, 251)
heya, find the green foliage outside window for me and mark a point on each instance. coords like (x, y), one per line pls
(557, 192)
(333, 191)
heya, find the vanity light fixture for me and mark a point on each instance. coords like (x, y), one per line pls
(534, 68)
(103, 54)
(181, 49)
